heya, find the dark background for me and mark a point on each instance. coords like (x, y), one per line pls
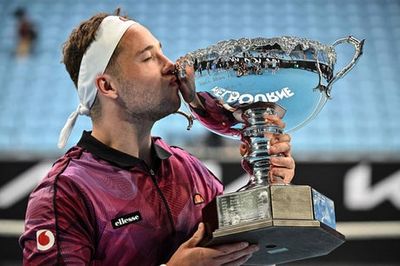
(327, 178)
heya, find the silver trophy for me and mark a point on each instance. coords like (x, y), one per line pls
(238, 82)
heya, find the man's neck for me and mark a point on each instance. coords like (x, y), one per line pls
(127, 138)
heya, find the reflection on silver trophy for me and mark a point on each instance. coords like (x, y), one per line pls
(238, 82)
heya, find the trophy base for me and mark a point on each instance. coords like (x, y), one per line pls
(285, 229)
(281, 241)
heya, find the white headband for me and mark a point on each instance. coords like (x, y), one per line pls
(94, 62)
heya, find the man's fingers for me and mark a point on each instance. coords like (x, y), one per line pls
(237, 255)
(197, 237)
(279, 175)
(274, 120)
(187, 85)
(222, 250)
(280, 144)
(239, 261)
(228, 249)
(187, 91)
(276, 138)
(244, 149)
(282, 169)
(285, 162)
(280, 148)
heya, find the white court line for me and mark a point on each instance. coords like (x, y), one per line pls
(13, 228)
(20, 186)
(369, 230)
(352, 230)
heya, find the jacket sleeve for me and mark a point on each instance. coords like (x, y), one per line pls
(58, 225)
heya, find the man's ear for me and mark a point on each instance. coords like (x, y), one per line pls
(106, 86)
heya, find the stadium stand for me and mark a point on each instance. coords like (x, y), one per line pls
(361, 119)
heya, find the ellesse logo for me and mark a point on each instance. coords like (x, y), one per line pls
(126, 219)
(198, 199)
(44, 239)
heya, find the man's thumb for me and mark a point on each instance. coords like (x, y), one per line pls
(197, 236)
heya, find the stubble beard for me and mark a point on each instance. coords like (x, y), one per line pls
(138, 105)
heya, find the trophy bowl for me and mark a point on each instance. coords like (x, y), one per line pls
(238, 82)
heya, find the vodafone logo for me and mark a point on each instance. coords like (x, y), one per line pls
(44, 239)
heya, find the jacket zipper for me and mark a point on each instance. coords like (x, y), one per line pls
(153, 178)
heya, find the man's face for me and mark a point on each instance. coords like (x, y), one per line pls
(147, 87)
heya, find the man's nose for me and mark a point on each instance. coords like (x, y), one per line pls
(169, 66)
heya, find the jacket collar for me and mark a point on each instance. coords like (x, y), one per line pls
(117, 157)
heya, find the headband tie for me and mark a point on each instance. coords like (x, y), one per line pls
(94, 62)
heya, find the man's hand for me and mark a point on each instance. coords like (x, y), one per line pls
(282, 162)
(229, 254)
(187, 86)
(282, 165)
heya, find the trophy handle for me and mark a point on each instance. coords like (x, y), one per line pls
(358, 45)
(189, 118)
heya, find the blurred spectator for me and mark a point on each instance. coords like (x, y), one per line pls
(26, 32)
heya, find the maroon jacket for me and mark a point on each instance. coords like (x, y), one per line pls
(99, 206)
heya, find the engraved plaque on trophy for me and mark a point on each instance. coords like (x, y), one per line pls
(238, 82)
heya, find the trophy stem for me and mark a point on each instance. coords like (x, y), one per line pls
(257, 133)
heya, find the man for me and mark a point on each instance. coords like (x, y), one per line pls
(26, 32)
(120, 196)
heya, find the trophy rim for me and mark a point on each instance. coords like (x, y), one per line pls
(225, 50)
(286, 44)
